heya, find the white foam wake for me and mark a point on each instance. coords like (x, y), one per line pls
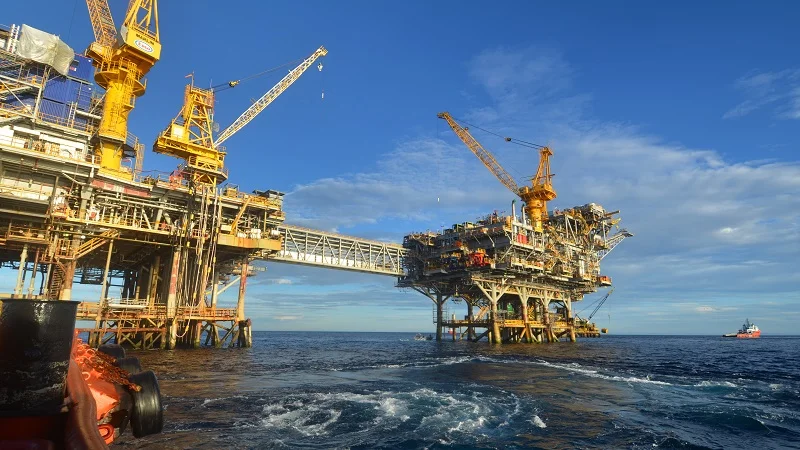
(575, 367)
(715, 384)
(213, 400)
(538, 422)
(427, 411)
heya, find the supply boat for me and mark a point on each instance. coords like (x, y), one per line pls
(748, 331)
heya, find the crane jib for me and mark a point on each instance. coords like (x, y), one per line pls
(267, 98)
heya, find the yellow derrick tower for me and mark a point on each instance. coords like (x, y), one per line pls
(189, 135)
(534, 196)
(121, 61)
(541, 190)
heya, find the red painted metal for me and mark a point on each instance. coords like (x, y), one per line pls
(119, 188)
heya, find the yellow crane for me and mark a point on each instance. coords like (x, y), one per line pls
(190, 135)
(534, 196)
(121, 61)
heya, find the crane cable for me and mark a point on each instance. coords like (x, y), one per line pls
(72, 19)
(601, 299)
(234, 83)
(588, 306)
(506, 138)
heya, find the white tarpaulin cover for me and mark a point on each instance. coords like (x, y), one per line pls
(45, 48)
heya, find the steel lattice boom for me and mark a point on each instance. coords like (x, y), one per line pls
(271, 95)
(484, 155)
(105, 32)
(535, 196)
(612, 242)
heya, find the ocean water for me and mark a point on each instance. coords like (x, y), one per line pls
(386, 390)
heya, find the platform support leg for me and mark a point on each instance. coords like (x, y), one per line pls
(23, 261)
(494, 290)
(172, 300)
(439, 318)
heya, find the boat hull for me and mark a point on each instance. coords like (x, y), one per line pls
(753, 335)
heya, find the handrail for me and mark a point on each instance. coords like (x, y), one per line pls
(289, 227)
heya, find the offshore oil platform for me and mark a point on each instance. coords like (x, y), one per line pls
(522, 272)
(77, 207)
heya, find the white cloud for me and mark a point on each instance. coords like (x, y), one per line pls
(712, 309)
(418, 181)
(781, 90)
(705, 226)
(793, 110)
(514, 78)
(284, 318)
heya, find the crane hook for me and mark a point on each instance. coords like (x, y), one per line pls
(319, 66)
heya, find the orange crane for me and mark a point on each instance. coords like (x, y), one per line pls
(534, 196)
(121, 61)
(190, 135)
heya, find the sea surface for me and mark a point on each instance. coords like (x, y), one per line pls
(386, 390)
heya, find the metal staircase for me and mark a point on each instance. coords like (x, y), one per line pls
(94, 243)
(56, 281)
(483, 311)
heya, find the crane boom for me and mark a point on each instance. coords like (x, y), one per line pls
(484, 155)
(105, 32)
(597, 308)
(267, 98)
(612, 242)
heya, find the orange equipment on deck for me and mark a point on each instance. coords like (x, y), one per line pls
(60, 393)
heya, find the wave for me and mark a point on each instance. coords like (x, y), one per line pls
(422, 412)
(575, 367)
(423, 363)
(716, 384)
(208, 401)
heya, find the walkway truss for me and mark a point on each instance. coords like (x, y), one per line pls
(334, 251)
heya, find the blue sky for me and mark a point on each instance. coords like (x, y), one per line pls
(685, 116)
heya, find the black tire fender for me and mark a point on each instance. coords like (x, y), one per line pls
(147, 415)
(129, 364)
(113, 350)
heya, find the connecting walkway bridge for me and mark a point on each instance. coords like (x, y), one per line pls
(335, 251)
